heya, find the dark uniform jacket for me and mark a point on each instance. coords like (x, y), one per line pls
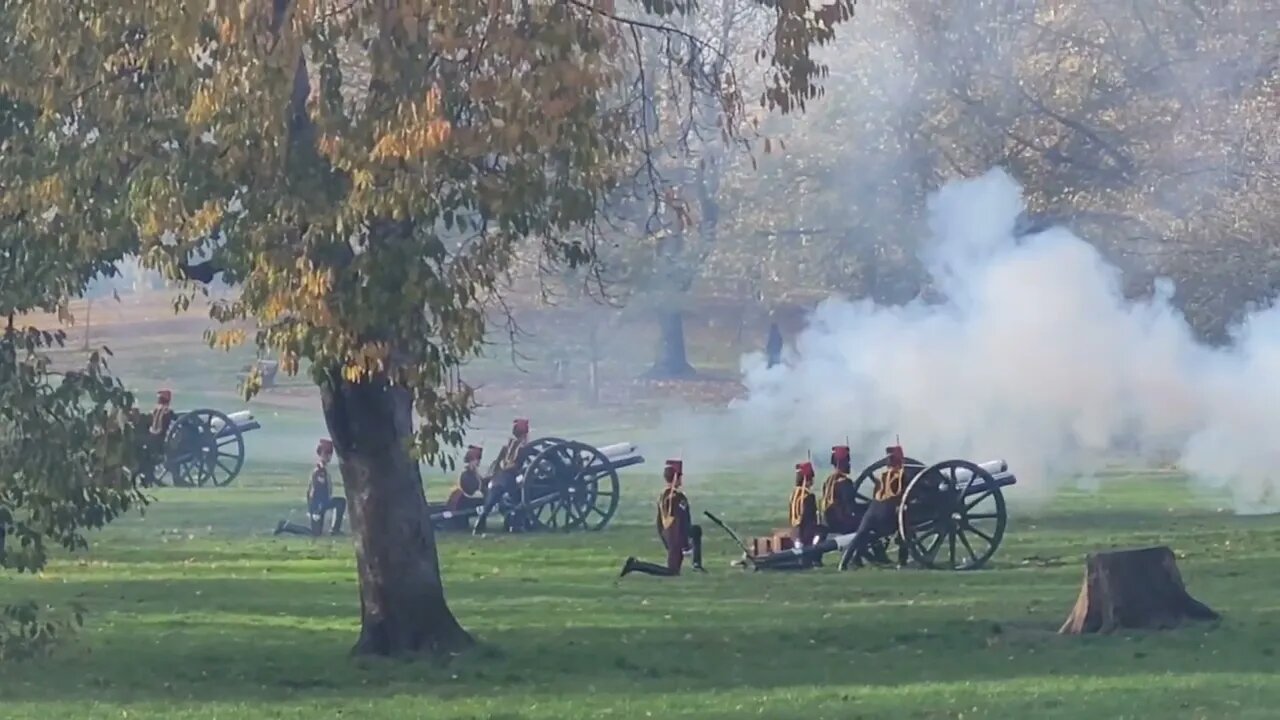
(674, 523)
(804, 514)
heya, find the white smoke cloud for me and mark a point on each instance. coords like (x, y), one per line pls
(1035, 357)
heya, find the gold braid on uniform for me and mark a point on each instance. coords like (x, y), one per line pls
(667, 508)
(509, 454)
(890, 485)
(797, 504)
(829, 490)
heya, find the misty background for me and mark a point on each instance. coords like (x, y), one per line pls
(1041, 231)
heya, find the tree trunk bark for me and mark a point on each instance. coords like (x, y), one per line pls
(672, 362)
(1133, 589)
(402, 605)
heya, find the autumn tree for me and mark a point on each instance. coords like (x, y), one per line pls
(67, 449)
(362, 174)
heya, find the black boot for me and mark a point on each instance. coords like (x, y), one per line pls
(285, 526)
(627, 567)
(339, 511)
(647, 568)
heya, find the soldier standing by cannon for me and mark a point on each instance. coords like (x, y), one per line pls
(152, 440)
(320, 499)
(881, 517)
(675, 527)
(510, 460)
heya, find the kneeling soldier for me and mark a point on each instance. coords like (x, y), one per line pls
(320, 499)
(675, 527)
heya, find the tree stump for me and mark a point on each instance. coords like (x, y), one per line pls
(1133, 589)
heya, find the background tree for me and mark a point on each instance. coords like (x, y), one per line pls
(363, 173)
(1149, 127)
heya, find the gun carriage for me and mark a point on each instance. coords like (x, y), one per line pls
(204, 447)
(952, 516)
(562, 485)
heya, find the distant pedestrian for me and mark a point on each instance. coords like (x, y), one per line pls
(773, 347)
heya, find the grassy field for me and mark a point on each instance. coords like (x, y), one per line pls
(196, 611)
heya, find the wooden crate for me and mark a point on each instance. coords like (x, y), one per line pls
(777, 542)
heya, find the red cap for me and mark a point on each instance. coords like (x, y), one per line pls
(804, 471)
(674, 469)
(324, 446)
(164, 396)
(474, 452)
(895, 454)
(839, 452)
(520, 426)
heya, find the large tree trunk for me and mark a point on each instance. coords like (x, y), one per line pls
(1133, 589)
(672, 362)
(402, 605)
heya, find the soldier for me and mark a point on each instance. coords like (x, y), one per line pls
(675, 527)
(838, 494)
(162, 415)
(803, 514)
(881, 518)
(320, 499)
(466, 495)
(510, 460)
(804, 506)
(152, 440)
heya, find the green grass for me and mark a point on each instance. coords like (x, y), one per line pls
(197, 612)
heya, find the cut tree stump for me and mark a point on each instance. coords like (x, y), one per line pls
(1133, 589)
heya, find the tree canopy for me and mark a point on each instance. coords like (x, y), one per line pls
(362, 174)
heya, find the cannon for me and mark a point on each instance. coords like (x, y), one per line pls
(204, 447)
(952, 516)
(563, 485)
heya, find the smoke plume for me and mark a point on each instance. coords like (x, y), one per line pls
(1035, 357)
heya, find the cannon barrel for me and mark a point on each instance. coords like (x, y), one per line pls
(243, 420)
(620, 455)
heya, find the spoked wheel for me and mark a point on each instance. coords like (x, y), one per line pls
(204, 447)
(547, 476)
(864, 487)
(952, 516)
(598, 490)
(570, 485)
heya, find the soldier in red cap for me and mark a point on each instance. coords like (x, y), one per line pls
(511, 460)
(838, 494)
(803, 514)
(881, 519)
(675, 527)
(466, 495)
(320, 498)
(162, 415)
(156, 433)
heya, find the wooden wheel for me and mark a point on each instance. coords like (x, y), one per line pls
(570, 485)
(203, 447)
(952, 516)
